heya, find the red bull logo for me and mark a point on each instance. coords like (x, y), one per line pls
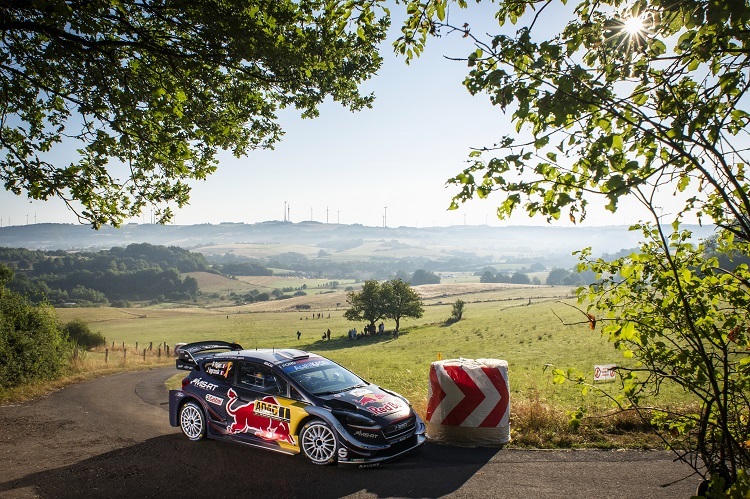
(371, 398)
(263, 418)
(380, 404)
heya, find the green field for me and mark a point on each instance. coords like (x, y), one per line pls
(517, 324)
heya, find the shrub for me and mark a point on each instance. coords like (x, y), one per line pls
(80, 333)
(32, 345)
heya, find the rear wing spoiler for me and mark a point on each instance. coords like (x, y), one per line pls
(186, 354)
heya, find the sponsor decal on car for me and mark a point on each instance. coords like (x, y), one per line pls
(218, 368)
(401, 426)
(360, 433)
(273, 411)
(214, 399)
(301, 366)
(255, 418)
(359, 392)
(386, 408)
(371, 465)
(372, 398)
(204, 384)
(380, 404)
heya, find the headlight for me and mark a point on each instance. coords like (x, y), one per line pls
(354, 419)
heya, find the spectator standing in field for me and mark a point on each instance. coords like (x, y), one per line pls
(298, 334)
(328, 334)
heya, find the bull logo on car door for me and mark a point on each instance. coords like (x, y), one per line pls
(265, 418)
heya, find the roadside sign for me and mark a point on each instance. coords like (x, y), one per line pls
(604, 372)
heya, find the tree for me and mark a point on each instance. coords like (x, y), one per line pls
(640, 99)
(520, 278)
(562, 277)
(366, 304)
(422, 276)
(457, 311)
(646, 100)
(148, 92)
(400, 301)
(689, 327)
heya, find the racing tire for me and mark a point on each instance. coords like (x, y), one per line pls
(193, 421)
(318, 442)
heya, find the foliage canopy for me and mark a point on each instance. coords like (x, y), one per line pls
(608, 111)
(394, 299)
(645, 99)
(149, 92)
(400, 300)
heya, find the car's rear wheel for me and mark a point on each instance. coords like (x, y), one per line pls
(318, 442)
(193, 421)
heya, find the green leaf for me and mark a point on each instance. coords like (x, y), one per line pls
(441, 11)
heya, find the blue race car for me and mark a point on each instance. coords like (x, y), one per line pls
(290, 401)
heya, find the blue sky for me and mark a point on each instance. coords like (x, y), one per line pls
(348, 167)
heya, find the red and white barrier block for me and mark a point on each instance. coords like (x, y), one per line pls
(469, 402)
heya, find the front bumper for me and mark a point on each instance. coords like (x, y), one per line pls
(351, 452)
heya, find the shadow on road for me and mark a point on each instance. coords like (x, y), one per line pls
(168, 466)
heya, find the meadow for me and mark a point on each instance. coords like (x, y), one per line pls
(524, 325)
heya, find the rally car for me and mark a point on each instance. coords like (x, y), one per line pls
(290, 401)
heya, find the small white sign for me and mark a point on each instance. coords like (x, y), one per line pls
(605, 372)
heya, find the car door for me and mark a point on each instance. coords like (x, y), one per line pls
(220, 373)
(259, 409)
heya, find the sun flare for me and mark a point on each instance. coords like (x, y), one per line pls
(634, 25)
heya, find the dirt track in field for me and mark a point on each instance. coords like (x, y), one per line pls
(110, 437)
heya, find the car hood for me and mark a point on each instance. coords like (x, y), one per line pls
(370, 400)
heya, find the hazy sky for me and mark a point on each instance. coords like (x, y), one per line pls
(348, 167)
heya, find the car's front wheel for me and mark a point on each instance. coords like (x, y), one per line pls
(318, 442)
(193, 421)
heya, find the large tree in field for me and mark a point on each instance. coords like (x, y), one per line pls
(400, 301)
(644, 99)
(367, 304)
(148, 92)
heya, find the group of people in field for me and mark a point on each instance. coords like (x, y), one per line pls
(368, 330)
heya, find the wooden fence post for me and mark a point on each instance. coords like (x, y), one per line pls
(136, 346)
(106, 355)
(158, 353)
(150, 345)
(144, 355)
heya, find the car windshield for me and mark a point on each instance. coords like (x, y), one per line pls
(323, 377)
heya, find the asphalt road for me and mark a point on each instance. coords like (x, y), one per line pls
(111, 438)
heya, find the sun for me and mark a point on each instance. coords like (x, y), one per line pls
(634, 25)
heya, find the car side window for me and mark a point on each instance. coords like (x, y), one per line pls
(294, 394)
(261, 378)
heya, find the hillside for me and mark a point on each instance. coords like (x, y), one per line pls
(341, 243)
